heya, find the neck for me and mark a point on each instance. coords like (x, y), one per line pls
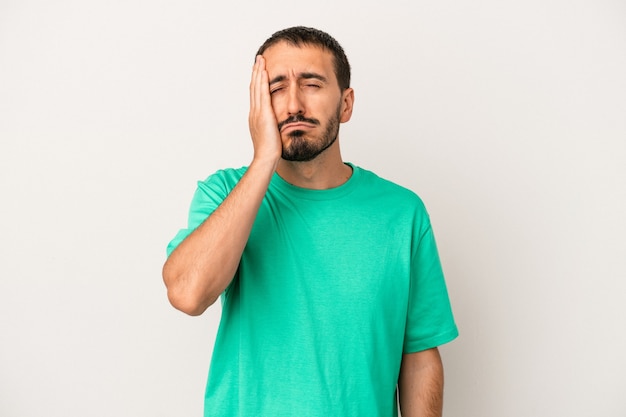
(325, 171)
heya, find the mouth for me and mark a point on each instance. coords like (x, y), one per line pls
(297, 122)
(297, 126)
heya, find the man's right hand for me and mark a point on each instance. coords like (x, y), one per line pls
(205, 263)
(262, 120)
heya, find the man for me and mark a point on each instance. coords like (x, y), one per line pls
(333, 298)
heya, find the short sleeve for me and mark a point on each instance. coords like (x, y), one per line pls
(208, 196)
(430, 321)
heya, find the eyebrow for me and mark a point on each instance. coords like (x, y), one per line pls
(302, 75)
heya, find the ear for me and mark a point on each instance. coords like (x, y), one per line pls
(347, 103)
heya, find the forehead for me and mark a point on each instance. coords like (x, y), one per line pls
(289, 60)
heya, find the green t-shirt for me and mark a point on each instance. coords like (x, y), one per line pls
(333, 286)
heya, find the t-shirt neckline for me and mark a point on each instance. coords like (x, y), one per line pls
(309, 194)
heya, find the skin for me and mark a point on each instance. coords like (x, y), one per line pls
(291, 94)
(286, 81)
(420, 385)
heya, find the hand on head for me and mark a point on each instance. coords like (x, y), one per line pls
(262, 120)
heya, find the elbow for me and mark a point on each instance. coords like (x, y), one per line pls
(188, 304)
(183, 296)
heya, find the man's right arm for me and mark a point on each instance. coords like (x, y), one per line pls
(203, 265)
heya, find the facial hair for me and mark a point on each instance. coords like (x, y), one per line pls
(304, 148)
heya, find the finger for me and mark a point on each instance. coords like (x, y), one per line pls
(261, 84)
(254, 83)
(265, 86)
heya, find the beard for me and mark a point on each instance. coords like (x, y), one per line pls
(303, 147)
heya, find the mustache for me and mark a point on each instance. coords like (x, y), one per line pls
(297, 118)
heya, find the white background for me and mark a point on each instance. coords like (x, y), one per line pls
(508, 118)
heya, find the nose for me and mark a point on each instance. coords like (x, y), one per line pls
(295, 104)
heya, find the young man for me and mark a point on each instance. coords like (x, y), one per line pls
(333, 297)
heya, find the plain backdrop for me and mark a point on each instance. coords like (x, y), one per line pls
(508, 118)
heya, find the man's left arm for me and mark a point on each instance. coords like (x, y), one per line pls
(420, 385)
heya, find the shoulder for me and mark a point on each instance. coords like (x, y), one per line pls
(226, 175)
(397, 202)
(389, 190)
(223, 179)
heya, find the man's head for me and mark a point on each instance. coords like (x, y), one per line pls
(309, 78)
(300, 36)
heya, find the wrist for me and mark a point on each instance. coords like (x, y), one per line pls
(267, 163)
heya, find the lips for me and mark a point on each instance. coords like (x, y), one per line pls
(297, 125)
(298, 121)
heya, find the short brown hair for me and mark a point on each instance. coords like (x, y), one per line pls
(300, 35)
